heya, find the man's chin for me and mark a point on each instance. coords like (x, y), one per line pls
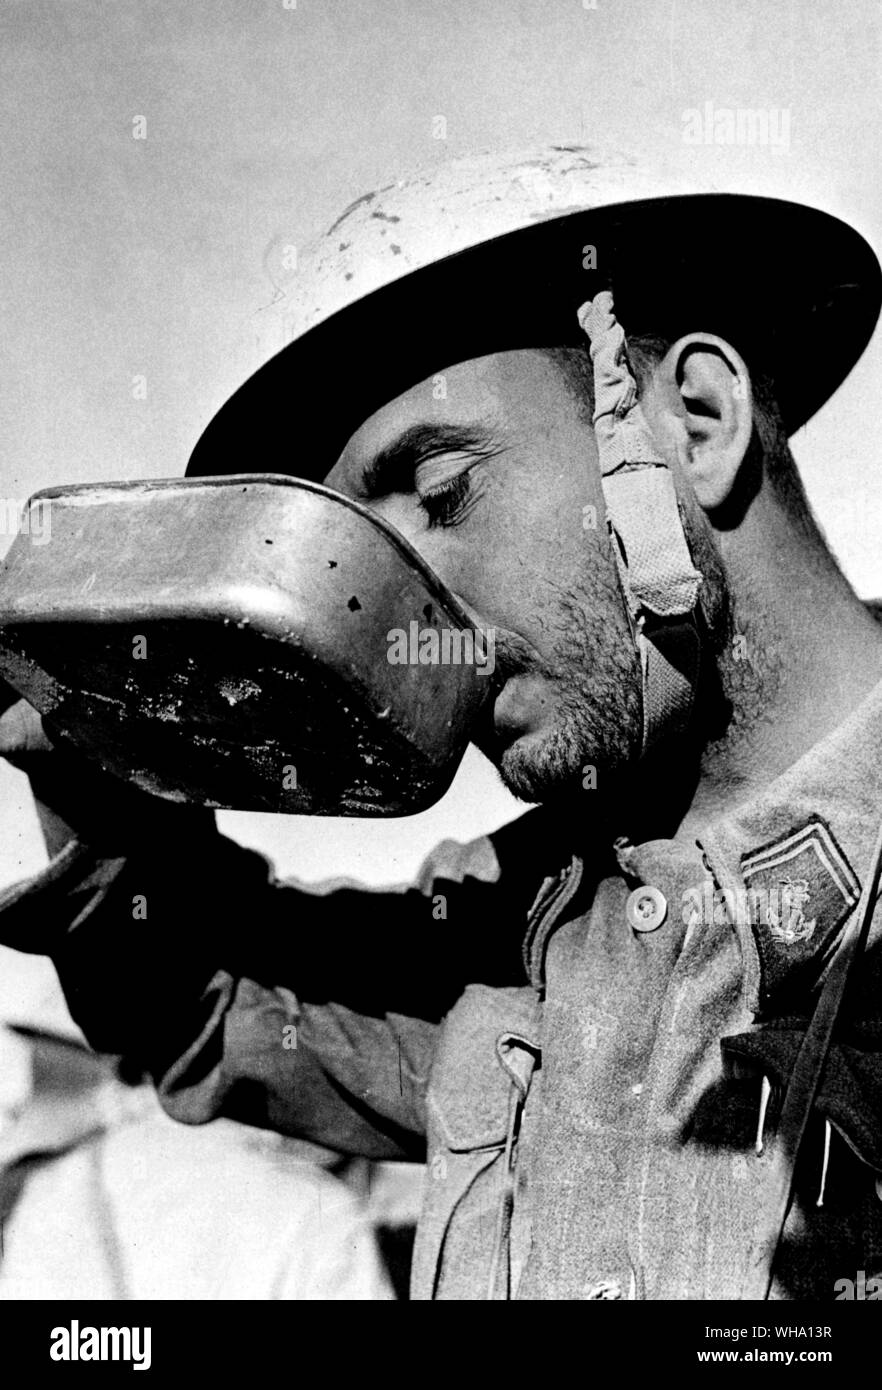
(554, 764)
(539, 767)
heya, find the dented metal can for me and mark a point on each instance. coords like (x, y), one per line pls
(254, 642)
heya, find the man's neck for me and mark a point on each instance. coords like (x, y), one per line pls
(804, 655)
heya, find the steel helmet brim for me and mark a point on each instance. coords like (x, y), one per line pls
(795, 289)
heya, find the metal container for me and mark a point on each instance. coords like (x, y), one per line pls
(227, 641)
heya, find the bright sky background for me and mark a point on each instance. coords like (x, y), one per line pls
(124, 257)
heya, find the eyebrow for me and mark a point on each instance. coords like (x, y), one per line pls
(391, 468)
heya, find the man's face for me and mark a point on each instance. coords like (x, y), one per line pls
(490, 472)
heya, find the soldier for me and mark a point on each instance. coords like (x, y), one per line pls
(617, 1095)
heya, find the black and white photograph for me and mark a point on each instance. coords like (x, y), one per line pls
(440, 667)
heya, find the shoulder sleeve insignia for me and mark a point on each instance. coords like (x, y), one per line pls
(799, 890)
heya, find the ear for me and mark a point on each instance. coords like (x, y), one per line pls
(703, 403)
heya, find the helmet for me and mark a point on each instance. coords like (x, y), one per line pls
(495, 252)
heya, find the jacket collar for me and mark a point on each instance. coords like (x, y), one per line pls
(790, 861)
(785, 868)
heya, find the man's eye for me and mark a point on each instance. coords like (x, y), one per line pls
(448, 504)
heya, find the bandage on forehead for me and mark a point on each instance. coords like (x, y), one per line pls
(659, 582)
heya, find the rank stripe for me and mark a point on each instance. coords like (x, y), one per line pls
(848, 893)
(816, 836)
(805, 833)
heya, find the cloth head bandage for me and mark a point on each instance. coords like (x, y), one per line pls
(658, 579)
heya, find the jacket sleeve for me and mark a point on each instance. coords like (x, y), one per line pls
(310, 1011)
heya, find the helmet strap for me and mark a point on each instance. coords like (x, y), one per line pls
(659, 582)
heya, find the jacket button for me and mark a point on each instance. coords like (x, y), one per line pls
(646, 909)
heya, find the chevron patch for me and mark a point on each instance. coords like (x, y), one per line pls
(800, 888)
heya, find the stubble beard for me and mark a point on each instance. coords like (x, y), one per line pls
(594, 675)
